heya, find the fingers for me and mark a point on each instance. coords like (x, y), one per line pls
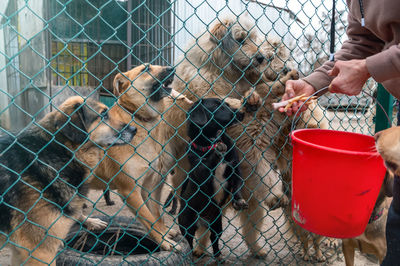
(295, 107)
(335, 71)
(289, 90)
(295, 88)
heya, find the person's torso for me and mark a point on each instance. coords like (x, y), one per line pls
(382, 18)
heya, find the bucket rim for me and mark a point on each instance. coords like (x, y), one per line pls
(293, 137)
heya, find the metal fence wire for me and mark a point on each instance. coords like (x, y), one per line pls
(61, 155)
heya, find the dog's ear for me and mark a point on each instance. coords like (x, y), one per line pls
(75, 126)
(120, 84)
(198, 115)
(218, 32)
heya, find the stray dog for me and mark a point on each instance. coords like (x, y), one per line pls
(135, 170)
(214, 173)
(43, 172)
(373, 240)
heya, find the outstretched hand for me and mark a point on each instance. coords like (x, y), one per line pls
(295, 88)
(350, 77)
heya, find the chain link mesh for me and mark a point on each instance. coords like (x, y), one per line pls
(54, 49)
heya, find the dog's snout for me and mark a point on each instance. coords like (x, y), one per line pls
(260, 58)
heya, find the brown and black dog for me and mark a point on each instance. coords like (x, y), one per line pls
(43, 174)
(135, 170)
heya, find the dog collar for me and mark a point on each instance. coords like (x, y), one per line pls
(376, 216)
(204, 148)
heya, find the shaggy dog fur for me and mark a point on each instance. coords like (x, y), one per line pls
(228, 61)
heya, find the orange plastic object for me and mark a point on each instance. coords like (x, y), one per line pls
(337, 177)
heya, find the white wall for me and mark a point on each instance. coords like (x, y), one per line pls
(3, 74)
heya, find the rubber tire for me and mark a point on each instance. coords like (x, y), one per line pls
(70, 256)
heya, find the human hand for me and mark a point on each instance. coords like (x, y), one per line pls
(350, 76)
(295, 88)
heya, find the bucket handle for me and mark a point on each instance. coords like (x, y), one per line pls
(294, 122)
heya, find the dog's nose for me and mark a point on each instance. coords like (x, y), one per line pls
(133, 130)
(377, 135)
(260, 58)
(130, 129)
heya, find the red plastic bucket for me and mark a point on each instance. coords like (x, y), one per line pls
(337, 177)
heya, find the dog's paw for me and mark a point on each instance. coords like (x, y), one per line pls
(275, 203)
(240, 204)
(331, 243)
(307, 257)
(110, 202)
(272, 203)
(219, 260)
(320, 258)
(221, 147)
(199, 252)
(253, 101)
(169, 245)
(293, 75)
(172, 233)
(260, 254)
(95, 224)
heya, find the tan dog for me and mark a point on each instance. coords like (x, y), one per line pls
(373, 240)
(136, 170)
(227, 62)
(43, 168)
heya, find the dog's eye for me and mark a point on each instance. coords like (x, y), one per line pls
(240, 40)
(104, 114)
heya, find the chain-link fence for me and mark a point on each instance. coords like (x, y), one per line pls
(61, 157)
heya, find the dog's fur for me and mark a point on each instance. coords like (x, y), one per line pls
(223, 63)
(214, 173)
(373, 240)
(135, 170)
(41, 175)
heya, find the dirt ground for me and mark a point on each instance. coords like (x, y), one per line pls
(283, 249)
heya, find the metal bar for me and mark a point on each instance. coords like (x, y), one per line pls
(386, 100)
(129, 36)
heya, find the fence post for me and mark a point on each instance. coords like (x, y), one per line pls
(386, 100)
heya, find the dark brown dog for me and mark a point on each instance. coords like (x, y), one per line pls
(41, 171)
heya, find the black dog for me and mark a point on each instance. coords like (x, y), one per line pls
(205, 192)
